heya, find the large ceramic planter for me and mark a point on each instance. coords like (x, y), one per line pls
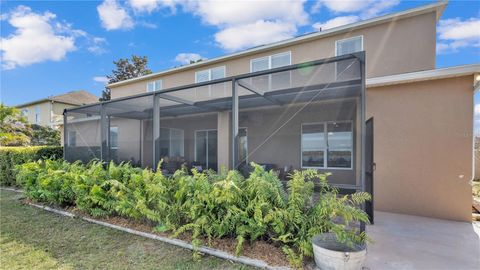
(332, 255)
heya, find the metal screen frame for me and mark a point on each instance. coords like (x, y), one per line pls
(235, 81)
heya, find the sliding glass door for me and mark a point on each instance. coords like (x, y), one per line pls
(206, 149)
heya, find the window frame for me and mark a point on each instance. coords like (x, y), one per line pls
(110, 137)
(347, 39)
(69, 138)
(206, 152)
(325, 152)
(210, 73)
(270, 57)
(37, 114)
(170, 141)
(160, 81)
(246, 146)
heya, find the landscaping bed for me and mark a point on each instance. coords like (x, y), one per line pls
(252, 216)
(260, 250)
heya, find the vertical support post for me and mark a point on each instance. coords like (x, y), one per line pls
(156, 131)
(234, 142)
(104, 153)
(361, 59)
(65, 134)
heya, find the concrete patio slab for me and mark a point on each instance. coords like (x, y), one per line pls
(412, 242)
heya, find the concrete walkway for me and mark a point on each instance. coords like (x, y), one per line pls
(411, 242)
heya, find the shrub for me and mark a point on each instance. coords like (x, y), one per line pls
(11, 156)
(206, 204)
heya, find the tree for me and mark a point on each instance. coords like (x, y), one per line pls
(126, 69)
(14, 128)
(44, 135)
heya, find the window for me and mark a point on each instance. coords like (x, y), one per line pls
(210, 74)
(154, 86)
(171, 142)
(113, 140)
(271, 61)
(242, 147)
(206, 148)
(313, 145)
(349, 45)
(37, 114)
(327, 145)
(273, 81)
(344, 70)
(72, 138)
(25, 112)
(340, 144)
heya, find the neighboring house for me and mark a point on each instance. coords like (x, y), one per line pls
(49, 111)
(288, 116)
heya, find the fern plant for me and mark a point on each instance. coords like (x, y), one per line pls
(206, 204)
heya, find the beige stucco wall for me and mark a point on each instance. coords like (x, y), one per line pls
(423, 147)
(400, 46)
(45, 108)
(50, 112)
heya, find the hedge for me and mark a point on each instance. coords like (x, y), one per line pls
(11, 156)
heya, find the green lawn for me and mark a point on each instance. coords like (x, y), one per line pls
(32, 238)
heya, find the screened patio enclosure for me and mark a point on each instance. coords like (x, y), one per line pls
(309, 115)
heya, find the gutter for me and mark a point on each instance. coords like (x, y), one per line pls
(441, 73)
(44, 100)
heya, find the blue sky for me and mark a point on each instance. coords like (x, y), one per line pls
(51, 47)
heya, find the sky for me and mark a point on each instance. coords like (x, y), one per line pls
(52, 47)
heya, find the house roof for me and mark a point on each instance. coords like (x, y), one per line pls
(80, 97)
(425, 75)
(437, 7)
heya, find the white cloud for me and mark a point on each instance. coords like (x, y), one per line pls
(35, 40)
(345, 5)
(257, 33)
(366, 8)
(454, 34)
(185, 58)
(113, 16)
(96, 45)
(229, 16)
(151, 5)
(335, 22)
(378, 7)
(234, 12)
(101, 79)
(143, 5)
(245, 24)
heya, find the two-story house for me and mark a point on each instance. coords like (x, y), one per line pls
(304, 103)
(49, 111)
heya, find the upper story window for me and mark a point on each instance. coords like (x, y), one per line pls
(275, 81)
(210, 74)
(271, 61)
(154, 86)
(349, 45)
(37, 114)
